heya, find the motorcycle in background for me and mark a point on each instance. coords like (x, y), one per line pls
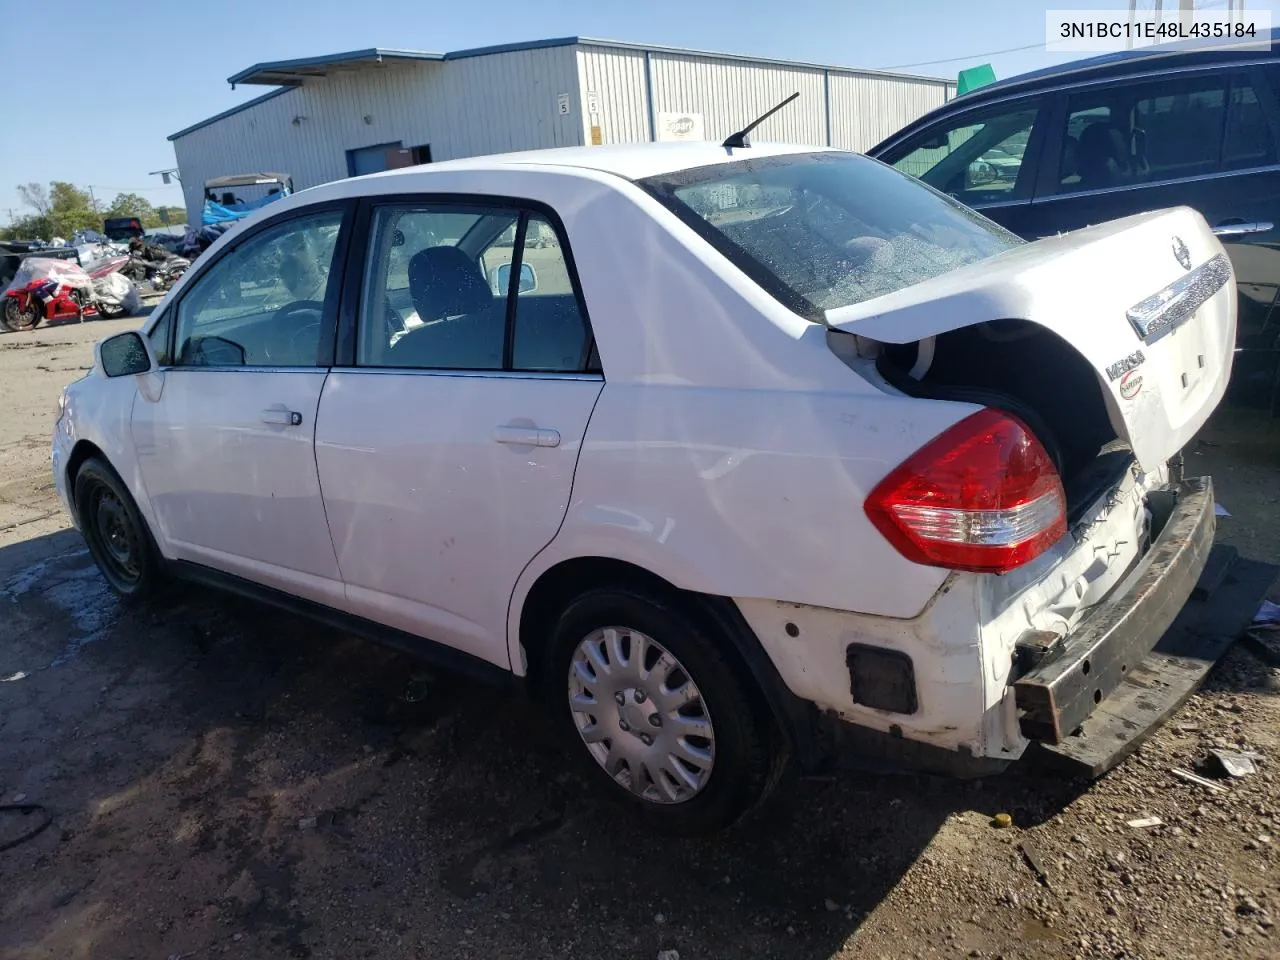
(47, 289)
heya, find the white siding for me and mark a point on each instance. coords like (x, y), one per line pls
(616, 76)
(479, 105)
(865, 109)
(731, 93)
(494, 102)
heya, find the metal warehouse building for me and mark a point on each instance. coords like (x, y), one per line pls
(352, 113)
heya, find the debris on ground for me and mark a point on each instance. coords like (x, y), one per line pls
(1002, 820)
(668, 955)
(1220, 511)
(1143, 822)
(1235, 764)
(1035, 861)
(1195, 778)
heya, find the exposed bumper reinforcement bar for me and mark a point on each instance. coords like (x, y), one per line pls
(1221, 594)
(1060, 692)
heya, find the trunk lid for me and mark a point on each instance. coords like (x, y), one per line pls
(1149, 301)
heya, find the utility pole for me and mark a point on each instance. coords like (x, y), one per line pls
(93, 201)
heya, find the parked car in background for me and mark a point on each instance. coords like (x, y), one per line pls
(1090, 141)
(122, 229)
(776, 449)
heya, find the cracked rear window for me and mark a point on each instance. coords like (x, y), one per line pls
(825, 230)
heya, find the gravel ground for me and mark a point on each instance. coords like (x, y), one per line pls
(230, 781)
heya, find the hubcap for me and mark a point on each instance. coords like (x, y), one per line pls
(640, 715)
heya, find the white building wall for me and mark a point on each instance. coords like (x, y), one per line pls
(731, 93)
(497, 102)
(616, 76)
(866, 108)
(478, 105)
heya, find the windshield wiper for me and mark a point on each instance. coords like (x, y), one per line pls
(739, 139)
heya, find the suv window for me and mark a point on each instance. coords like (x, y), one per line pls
(444, 285)
(976, 158)
(1165, 129)
(261, 305)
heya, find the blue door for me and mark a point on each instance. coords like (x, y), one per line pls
(369, 159)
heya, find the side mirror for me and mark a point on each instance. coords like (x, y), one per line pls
(528, 278)
(938, 141)
(124, 355)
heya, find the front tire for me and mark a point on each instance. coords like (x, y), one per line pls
(117, 536)
(661, 718)
(17, 319)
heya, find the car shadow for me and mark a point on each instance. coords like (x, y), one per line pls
(217, 768)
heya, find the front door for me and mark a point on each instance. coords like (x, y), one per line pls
(447, 440)
(226, 446)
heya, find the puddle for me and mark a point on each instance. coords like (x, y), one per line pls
(26, 578)
(78, 590)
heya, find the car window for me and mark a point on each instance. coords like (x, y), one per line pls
(825, 230)
(159, 337)
(262, 303)
(1166, 129)
(977, 158)
(438, 285)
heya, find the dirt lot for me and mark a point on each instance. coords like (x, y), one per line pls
(229, 781)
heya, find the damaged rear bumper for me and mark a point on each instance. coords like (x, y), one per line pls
(1064, 689)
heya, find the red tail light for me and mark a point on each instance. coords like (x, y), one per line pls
(982, 496)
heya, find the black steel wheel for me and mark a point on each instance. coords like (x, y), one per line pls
(117, 536)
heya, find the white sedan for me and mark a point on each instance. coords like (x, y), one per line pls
(766, 444)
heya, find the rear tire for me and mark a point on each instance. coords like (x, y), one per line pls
(656, 713)
(118, 538)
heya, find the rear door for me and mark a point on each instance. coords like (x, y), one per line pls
(1207, 140)
(449, 432)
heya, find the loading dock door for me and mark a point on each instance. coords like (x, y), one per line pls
(374, 159)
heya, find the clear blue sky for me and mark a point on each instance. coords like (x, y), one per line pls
(76, 109)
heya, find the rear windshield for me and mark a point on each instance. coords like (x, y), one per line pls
(825, 230)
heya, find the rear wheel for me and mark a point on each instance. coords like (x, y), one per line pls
(116, 534)
(656, 712)
(16, 317)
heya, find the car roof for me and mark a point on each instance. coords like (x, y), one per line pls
(631, 161)
(1180, 55)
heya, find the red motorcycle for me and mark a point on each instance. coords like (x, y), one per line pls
(47, 289)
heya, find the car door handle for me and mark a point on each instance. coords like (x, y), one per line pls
(283, 417)
(1240, 229)
(527, 436)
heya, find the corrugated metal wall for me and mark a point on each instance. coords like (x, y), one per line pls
(865, 108)
(617, 77)
(729, 93)
(509, 101)
(489, 104)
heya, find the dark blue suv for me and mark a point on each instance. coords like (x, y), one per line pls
(1103, 138)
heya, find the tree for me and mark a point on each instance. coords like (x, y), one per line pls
(60, 210)
(35, 196)
(131, 205)
(177, 215)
